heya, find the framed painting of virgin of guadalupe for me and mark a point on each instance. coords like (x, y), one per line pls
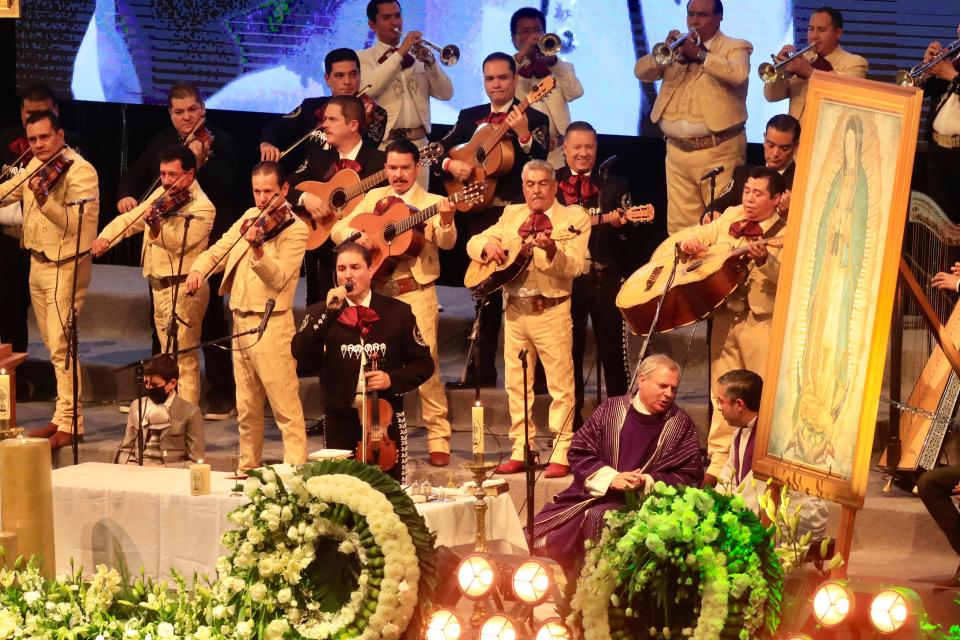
(836, 286)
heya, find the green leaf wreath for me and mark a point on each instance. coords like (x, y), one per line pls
(685, 562)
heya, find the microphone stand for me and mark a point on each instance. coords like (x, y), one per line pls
(713, 202)
(173, 330)
(73, 356)
(656, 318)
(528, 456)
(473, 352)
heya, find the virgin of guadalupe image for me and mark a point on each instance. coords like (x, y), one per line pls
(828, 331)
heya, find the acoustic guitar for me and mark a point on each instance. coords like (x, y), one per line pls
(485, 278)
(490, 156)
(394, 233)
(641, 213)
(701, 283)
(343, 193)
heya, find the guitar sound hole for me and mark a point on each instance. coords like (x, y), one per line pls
(338, 199)
(389, 233)
(654, 277)
(693, 266)
(481, 156)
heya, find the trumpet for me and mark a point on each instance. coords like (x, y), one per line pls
(664, 53)
(774, 72)
(920, 73)
(549, 44)
(449, 54)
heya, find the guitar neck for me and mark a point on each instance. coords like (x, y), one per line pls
(417, 218)
(603, 218)
(365, 184)
(501, 129)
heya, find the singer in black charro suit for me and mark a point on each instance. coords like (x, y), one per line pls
(529, 136)
(335, 336)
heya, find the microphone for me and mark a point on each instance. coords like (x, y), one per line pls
(335, 300)
(605, 165)
(353, 236)
(74, 203)
(713, 172)
(267, 311)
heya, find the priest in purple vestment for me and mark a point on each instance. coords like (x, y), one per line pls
(626, 444)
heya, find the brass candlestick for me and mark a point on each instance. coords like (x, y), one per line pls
(479, 468)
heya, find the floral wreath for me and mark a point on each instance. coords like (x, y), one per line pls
(684, 562)
(335, 550)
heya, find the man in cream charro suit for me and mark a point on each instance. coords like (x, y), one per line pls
(163, 240)
(701, 109)
(527, 26)
(823, 31)
(254, 273)
(50, 227)
(537, 307)
(741, 326)
(399, 82)
(411, 279)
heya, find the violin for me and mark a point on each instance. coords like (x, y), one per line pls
(377, 416)
(51, 172)
(166, 204)
(269, 223)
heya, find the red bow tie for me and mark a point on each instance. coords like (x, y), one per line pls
(406, 63)
(359, 318)
(748, 228)
(495, 117)
(341, 164)
(535, 223)
(577, 189)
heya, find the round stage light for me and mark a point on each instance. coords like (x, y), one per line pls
(443, 624)
(888, 611)
(477, 576)
(499, 627)
(531, 582)
(832, 603)
(554, 629)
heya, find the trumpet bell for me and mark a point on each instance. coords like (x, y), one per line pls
(450, 55)
(905, 78)
(663, 53)
(549, 44)
(768, 73)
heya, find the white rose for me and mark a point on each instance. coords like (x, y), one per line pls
(258, 592)
(254, 536)
(270, 491)
(164, 630)
(244, 629)
(202, 633)
(286, 514)
(30, 597)
(277, 628)
(219, 612)
(284, 595)
(9, 621)
(267, 566)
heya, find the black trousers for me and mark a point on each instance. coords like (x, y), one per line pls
(594, 296)
(14, 292)
(943, 168)
(342, 430)
(319, 267)
(935, 488)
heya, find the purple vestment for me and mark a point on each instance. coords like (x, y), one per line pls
(616, 435)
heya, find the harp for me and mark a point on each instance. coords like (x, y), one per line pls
(926, 328)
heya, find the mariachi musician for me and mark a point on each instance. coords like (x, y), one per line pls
(342, 75)
(260, 257)
(50, 189)
(528, 139)
(357, 325)
(344, 123)
(175, 220)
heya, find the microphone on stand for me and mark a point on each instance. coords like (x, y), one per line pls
(74, 203)
(353, 236)
(267, 311)
(713, 172)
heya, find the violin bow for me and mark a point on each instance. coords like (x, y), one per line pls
(131, 223)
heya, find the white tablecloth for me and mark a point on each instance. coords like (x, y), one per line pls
(146, 517)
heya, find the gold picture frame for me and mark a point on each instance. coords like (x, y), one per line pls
(837, 281)
(9, 8)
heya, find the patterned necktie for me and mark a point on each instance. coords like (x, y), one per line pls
(746, 228)
(358, 317)
(406, 63)
(535, 223)
(577, 189)
(341, 164)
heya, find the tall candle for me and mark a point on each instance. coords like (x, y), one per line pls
(26, 498)
(477, 415)
(199, 479)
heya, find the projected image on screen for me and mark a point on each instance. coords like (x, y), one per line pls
(267, 55)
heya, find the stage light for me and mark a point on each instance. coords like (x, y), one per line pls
(443, 624)
(554, 629)
(832, 603)
(476, 576)
(531, 582)
(888, 611)
(499, 627)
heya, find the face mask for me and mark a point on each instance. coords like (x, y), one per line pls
(158, 395)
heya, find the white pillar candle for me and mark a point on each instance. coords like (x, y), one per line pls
(477, 415)
(199, 479)
(26, 489)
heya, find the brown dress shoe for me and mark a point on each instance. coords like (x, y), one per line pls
(510, 466)
(439, 459)
(556, 470)
(43, 432)
(62, 439)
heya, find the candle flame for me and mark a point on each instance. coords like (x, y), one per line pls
(200, 461)
(477, 404)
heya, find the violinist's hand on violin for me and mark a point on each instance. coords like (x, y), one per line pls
(336, 298)
(35, 186)
(318, 208)
(201, 150)
(254, 236)
(127, 204)
(378, 380)
(100, 246)
(269, 153)
(194, 281)
(492, 251)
